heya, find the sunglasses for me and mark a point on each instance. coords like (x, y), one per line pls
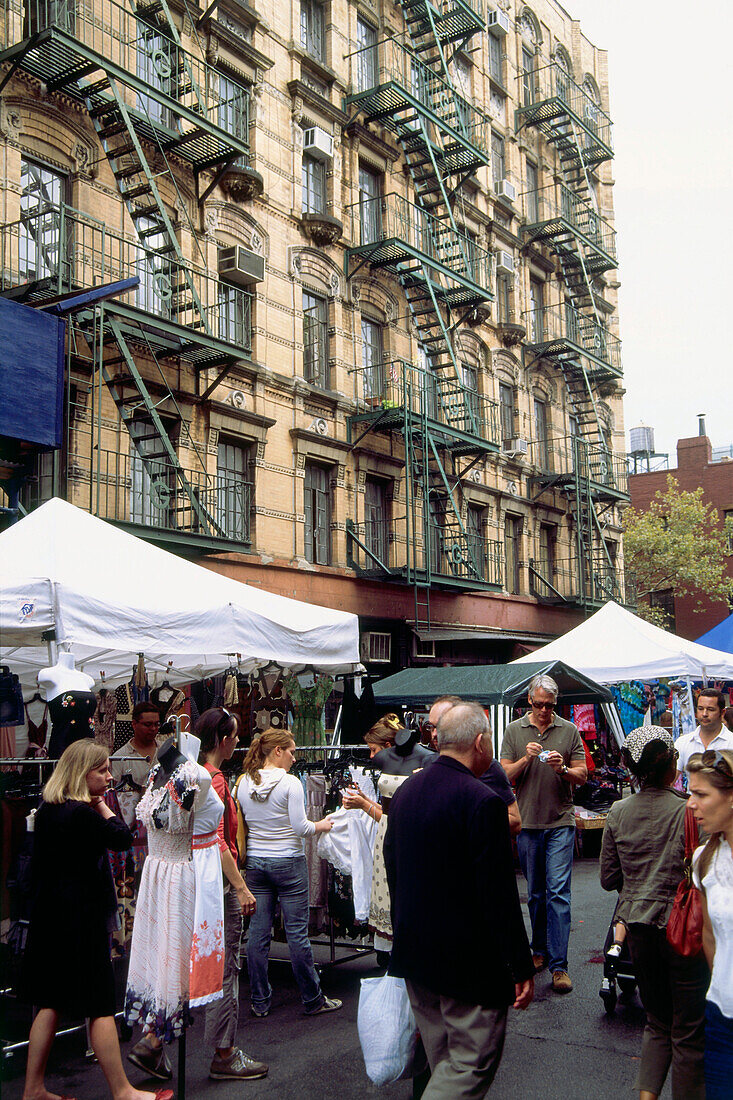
(543, 706)
(714, 759)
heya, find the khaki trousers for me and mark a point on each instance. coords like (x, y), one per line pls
(221, 1017)
(463, 1042)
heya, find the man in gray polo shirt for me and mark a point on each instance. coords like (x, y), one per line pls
(543, 757)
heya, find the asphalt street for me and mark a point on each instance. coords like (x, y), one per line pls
(561, 1048)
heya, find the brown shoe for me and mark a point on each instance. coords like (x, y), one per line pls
(561, 981)
(240, 1067)
(539, 962)
(154, 1062)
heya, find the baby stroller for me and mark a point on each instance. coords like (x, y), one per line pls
(618, 969)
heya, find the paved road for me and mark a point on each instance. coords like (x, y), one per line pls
(561, 1048)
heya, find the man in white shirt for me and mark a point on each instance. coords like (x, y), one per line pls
(710, 733)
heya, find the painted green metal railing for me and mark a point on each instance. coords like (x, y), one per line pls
(551, 211)
(390, 231)
(63, 249)
(560, 582)
(132, 488)
(549, 93)
(454, 555)
(561, 330)
(571, 455)
(389, 78)
(396, 387)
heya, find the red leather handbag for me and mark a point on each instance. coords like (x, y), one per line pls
(684, 927)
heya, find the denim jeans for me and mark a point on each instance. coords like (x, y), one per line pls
(546, 856)
(718, 1053)
(286, 880)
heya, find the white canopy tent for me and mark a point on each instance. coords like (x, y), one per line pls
(614, 645)
(110, 596)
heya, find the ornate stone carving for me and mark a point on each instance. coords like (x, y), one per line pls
(479, 315)
(512, 334)
(242, 183)
(319, 426)
(10, 121)
(323, 229)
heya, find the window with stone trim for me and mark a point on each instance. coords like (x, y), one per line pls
(376, 518)
(234, 489)
(512, 553)
(507, 410)
(315, 339)
(314, 185)
(317, 509)
(366, 58)
(313, 29)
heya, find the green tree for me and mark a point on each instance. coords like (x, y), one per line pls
(680, 544)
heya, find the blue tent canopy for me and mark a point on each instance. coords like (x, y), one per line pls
(720, 637)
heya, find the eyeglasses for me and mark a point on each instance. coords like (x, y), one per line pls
(714, 759)
(543, 706)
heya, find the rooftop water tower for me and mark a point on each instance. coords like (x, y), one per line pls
(641, 449)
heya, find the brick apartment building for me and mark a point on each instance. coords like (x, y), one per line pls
(698, 464)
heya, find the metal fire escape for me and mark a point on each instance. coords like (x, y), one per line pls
(571, 332)
(150, 100)
(406, 86)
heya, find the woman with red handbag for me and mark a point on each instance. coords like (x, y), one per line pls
(711, 797)
(643, 856)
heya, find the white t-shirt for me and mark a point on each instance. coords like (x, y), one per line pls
(690, 743)
(274, 811)
(718, 886)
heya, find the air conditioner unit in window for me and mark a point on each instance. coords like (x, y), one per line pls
(239, 265)
(504, 263)
(318, 143)
(497, 23)
(376, 647)
(515, 446)
(505, 190)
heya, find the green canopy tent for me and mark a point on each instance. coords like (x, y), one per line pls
(495, 686)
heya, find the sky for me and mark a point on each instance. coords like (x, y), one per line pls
(670, 79)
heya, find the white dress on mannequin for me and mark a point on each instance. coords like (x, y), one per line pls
(207, 949)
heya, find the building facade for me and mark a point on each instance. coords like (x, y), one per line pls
(369, 356)
(699, 465)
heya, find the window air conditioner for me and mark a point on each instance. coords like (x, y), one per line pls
(497, 23)
(515, 446)
(504, 263)
(318, 143)
(239, 265)
(506, 190)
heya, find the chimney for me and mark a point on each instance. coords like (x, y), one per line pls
(701, 424)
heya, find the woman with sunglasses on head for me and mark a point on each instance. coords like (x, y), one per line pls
(710, 776)
(67, 966)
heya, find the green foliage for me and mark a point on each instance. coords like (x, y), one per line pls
(678, 544)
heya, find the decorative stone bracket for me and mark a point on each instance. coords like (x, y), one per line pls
(323, 229)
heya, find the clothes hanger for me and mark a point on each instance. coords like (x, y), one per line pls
(127, 783)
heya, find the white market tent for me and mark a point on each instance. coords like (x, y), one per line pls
(111, 596)
(614, 645)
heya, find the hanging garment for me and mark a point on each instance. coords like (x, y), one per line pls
(207, 947)
(127, 866)
(379, 909)
(7, 742)
(315, 810)
(349, 847)
(139, 682)
(11, 699)
(123, 717)
(270, 706)
(37, 733)
(72, 715)
(160, 954)
(104, 719)
(307, 703)
(584, 717)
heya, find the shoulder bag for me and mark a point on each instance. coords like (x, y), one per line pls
(684, 927)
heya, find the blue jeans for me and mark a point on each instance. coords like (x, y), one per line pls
(718, 1053)
(546, 856)
(286, 880)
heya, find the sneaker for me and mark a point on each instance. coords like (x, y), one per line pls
(614, 951)
(539, 962)
(260, 1012)
(153, 1062)
(330, 1004)
(240, 1067)
(561, 981)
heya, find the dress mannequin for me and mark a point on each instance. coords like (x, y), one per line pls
(405, 757)
(71, 703)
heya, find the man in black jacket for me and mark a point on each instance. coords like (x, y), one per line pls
(459, 937)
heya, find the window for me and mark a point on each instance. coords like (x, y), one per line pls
(234, 490)
(39, 487)
(376, 519)
(152, 478)
(157, 67)
(372, 360)
(155, 290)
(315, 339)
(366, 59)
(314, 185)
(436, 532)
(506, 410)
(370, 188)
(42, 193)
(317, 509)
(495, 59)
(234, 315)
(376, 647)
(232, 110)
(475, 524)
(536, 309)
(513, 552)
(498, 159)
(548, 550)
(527, 76)
(533, 198)
(46, 13)
(573, 426)
(503, 298)
(462, 81)
(542, 454)
(665, 601)
(313, 29)
(471, 421)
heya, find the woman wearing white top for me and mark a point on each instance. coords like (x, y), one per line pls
(711, 797)
(273, 807)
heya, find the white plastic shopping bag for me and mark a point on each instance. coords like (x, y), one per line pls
(387, 1029)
